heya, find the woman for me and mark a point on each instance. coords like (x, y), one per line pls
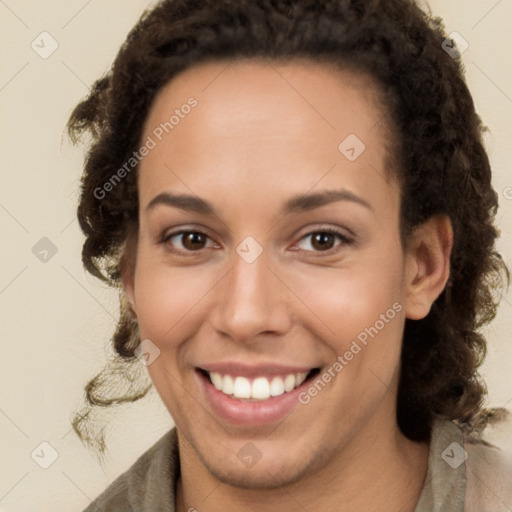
(295, 203)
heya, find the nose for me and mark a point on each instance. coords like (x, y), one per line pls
(252, 302)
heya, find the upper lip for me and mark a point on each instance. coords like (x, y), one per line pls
(245, 370)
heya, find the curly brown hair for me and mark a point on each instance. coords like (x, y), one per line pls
(440, 159)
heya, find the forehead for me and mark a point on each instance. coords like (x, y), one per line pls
(260, 123)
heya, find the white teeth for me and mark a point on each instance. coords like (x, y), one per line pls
(227, 385)
(259, 389)
(216, 380)
(242, 388)
(300, 378)
(276, 386)
(289, 382)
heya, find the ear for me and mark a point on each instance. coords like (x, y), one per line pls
(427, 265)
(127, 265)
(129, 292)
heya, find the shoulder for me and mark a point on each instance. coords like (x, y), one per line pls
(489, 469)
(141, 486)
(466, 474)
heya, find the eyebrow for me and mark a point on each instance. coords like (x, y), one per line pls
(298, 203)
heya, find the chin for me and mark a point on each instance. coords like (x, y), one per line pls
(277, 469)
(258, 478)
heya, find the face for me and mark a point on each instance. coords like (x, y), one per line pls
(269, 271)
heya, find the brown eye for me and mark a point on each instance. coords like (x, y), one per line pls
(192, 241)
(324, 240)
(186, 241)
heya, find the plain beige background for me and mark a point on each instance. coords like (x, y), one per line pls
(56, 321)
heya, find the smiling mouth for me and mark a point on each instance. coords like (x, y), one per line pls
(257, 389)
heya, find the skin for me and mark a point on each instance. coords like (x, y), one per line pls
(263, 132)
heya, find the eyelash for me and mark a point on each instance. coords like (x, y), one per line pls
(328, 230)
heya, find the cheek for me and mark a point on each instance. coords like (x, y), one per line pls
(163, 296)
(361, 308)
(352, 298)
(170, 301)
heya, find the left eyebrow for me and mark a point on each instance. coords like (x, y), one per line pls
(305, 202)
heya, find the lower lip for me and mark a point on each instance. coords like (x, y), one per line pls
(239, 412)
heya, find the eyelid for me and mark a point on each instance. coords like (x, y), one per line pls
(176, 230)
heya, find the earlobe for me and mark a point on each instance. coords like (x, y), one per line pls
(427, 265)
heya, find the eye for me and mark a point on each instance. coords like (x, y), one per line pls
(323, 240)
(186, 241)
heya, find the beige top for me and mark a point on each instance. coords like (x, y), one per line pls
(462, 476)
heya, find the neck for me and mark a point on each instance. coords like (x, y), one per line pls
(379, 470)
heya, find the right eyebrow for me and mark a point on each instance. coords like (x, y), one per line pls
(184, 202)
